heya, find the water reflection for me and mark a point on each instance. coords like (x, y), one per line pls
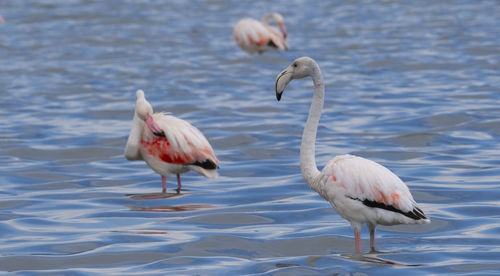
(151, 232)
(403, 88)
(373, 257)
(155, 196)
(177, 208)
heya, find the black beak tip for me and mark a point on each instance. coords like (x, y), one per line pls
(278, 96)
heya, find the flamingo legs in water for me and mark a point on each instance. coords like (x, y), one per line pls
(179, 183)
(357, 239)
(164, 184)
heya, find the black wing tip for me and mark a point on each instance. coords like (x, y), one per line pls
(272, 44)
(419, 213)
(416, 213)
(160, 134)
(206, 164)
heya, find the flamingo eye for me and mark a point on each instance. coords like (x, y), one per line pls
(295, 65)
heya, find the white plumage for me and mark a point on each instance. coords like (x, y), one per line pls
(360, 190)
(349, 177)
(168, 144)
(258, 36)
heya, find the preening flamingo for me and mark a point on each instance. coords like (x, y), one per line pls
(258, 36)
(168, 144)
(360, 190)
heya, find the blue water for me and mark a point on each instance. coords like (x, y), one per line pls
(413, 85)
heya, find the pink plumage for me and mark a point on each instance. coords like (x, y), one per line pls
(355, 183)
(258, 36)
(360, 190)
(168, 144)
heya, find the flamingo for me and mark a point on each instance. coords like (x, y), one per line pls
(360, 190)
(168, 144)
(258, 36)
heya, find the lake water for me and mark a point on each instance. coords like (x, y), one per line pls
(413, 85)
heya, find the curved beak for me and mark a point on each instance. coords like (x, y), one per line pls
(281, 82)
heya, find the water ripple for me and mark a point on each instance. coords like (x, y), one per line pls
(413, 86)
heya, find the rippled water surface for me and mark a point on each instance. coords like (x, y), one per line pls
(413, 85)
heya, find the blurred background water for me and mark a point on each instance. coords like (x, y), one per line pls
(413, 85)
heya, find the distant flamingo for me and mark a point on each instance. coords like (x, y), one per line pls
(168, 145)
(258, 36)
(359, 189)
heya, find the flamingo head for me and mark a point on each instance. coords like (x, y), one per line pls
(300, 68)
(142, 107)
(278, 18)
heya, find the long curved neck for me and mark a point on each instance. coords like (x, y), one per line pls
(265, 19)
(307, 149)
(132, 151)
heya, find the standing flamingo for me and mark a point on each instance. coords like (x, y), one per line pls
(168, 144)
(359, 189)
(254, 36)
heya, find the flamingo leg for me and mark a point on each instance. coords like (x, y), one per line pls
(357, 239)
(372, 239)
(164, 184)
(179, 183)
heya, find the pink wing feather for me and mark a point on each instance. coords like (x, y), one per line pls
(361, 179)
(183, 143)
(250, 33)
(277, 38)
